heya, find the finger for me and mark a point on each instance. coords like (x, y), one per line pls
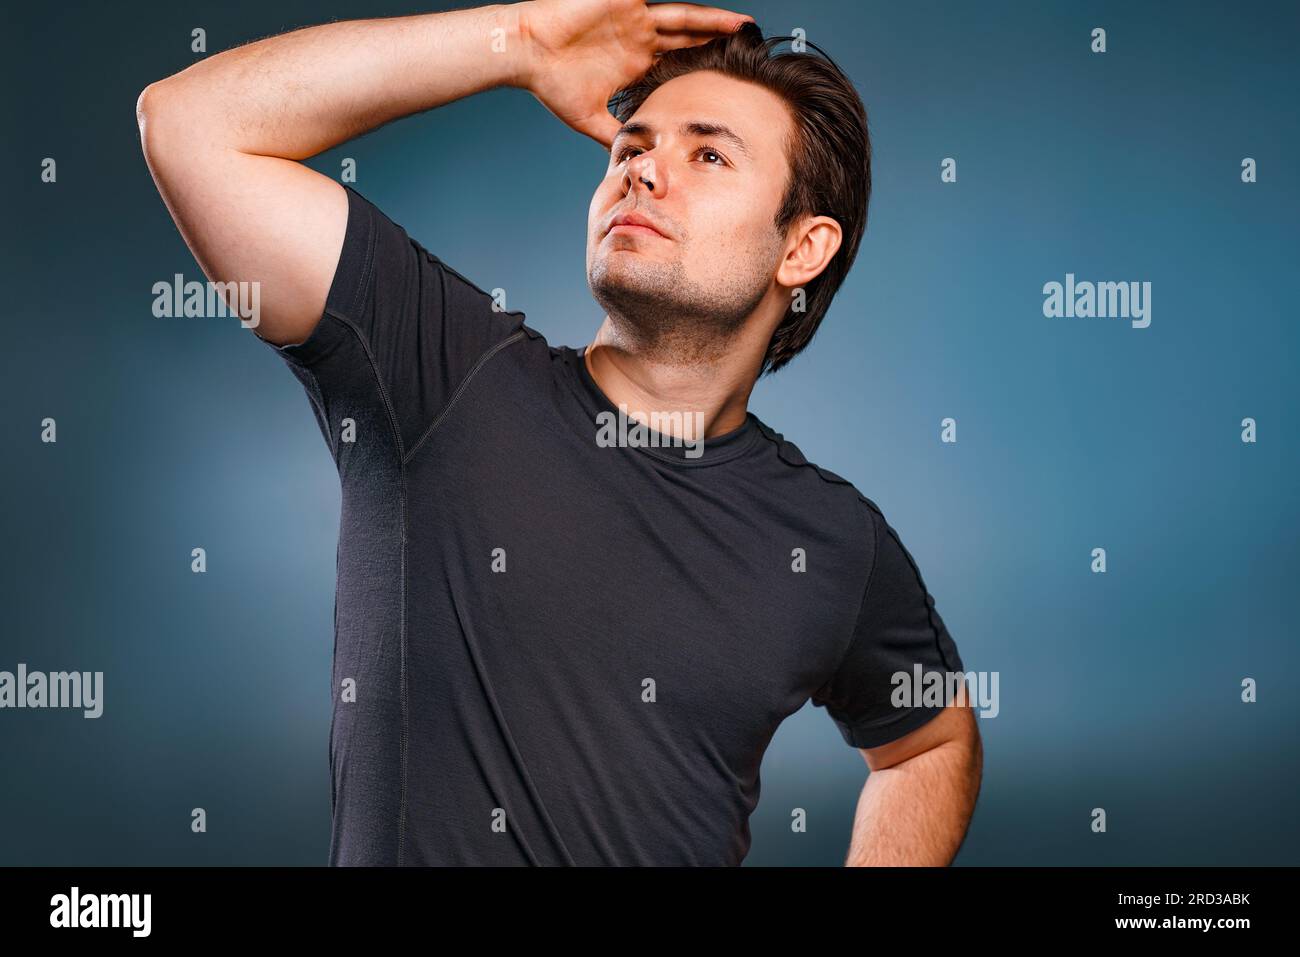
(674, 41)
(682, 17)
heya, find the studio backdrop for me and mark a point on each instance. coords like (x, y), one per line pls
(1064, 365)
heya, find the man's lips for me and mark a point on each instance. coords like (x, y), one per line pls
(635, 223)
(634, 228)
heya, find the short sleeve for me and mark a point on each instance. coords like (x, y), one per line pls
(898, 632)
(401, 331)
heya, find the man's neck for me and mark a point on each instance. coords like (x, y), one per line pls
(718, 390)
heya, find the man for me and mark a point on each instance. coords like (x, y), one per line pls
(578, 590)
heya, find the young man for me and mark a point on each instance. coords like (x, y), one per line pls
(578, 590)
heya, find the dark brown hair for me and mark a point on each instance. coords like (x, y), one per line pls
(829, 155)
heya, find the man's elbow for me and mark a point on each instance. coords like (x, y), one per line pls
(152, 108)
(167, 118)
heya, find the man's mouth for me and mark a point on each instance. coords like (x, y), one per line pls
(634, 222)
(635, 229)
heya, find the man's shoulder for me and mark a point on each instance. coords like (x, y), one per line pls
(816, 479)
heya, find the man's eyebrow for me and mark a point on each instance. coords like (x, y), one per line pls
(688, 128)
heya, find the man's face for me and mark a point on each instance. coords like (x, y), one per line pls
(682, 294)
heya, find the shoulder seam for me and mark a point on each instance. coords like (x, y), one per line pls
(920, 582)
(929, 603)
(478, 364)
(827, 477)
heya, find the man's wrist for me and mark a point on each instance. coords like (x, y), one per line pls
(517, 43)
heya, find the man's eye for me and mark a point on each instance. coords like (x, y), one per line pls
(623, 154)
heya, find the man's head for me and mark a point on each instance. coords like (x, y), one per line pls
(745, 220)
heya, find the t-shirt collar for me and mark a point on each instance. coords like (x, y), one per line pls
(709, 451)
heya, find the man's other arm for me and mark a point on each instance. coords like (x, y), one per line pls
(920, 795)
(224, 137)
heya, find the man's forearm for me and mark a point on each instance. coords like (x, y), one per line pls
(915, 813)
(298, 94)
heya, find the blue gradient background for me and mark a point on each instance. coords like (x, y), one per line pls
(1118, 691)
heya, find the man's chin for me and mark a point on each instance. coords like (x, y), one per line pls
(639, 278)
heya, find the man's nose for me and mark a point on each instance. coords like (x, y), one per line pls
(642, 173)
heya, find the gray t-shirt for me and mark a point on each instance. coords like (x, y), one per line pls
(554, 650)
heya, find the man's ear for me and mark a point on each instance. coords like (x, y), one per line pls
(812, 246)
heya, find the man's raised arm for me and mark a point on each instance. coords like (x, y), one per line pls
(223, 137)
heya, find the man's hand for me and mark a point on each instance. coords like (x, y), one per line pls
(578, 53)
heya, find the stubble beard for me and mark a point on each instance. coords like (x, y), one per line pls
(665, 317)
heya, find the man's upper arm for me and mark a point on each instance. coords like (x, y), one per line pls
(246, 218)
(873, 695)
